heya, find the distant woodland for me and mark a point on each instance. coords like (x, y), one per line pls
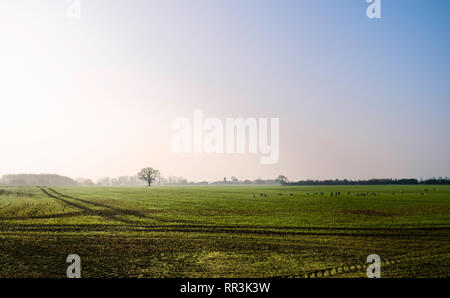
(130, 181)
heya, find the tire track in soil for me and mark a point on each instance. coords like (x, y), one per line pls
(362, 266)
(46, 216)
(169, 228)
(88, 211)
(120, 211)
(7, 205)
(96, 204)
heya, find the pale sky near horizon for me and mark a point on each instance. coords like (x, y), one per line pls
(95, 97)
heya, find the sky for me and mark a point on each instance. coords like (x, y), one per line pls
(96, 96)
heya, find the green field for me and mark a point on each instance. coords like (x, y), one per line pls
(234, 231)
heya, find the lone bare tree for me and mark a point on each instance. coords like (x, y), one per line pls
(282, 179)
(149, 175)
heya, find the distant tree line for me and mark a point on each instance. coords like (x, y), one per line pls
(135, 181)
(173, 180)
(433, 181)
(37, 179)
(58, 180)
(122, 181)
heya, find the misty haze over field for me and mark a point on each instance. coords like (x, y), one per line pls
(96, 96)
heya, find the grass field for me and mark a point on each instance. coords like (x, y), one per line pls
(230, 231)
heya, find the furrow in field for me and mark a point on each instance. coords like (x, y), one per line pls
(97, 204)
(87, 210)
(180, 229)
(120, 211)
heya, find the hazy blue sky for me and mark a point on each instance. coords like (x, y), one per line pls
(356, 98)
